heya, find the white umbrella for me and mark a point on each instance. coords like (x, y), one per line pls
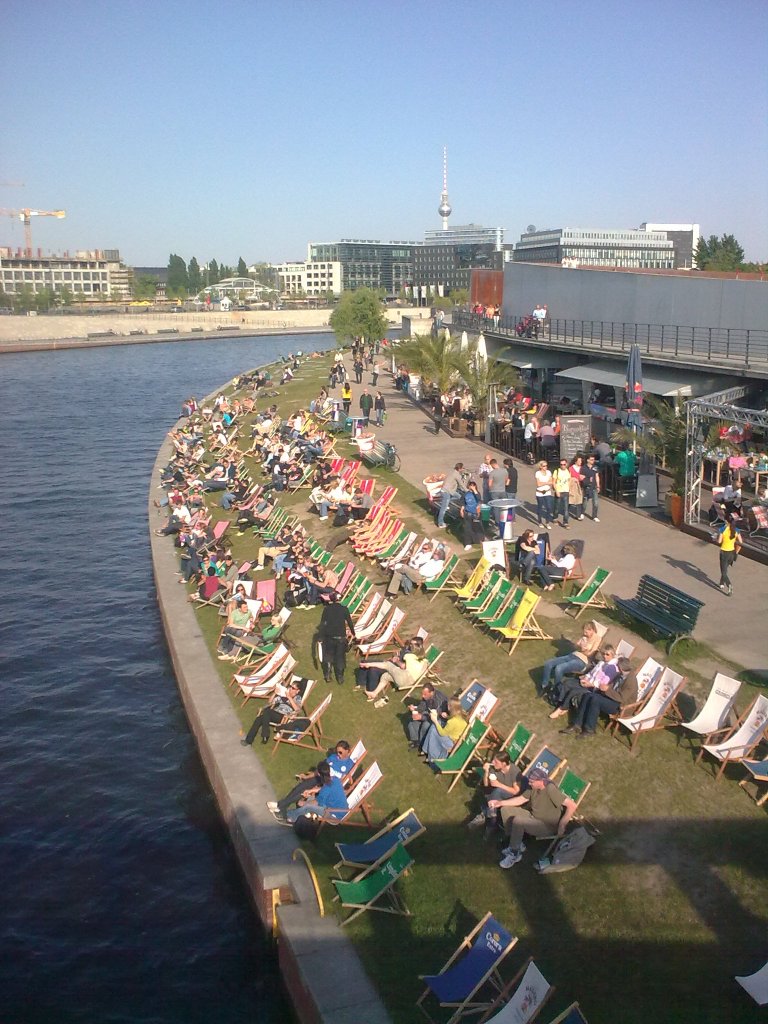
(482, 351)
(464, 340)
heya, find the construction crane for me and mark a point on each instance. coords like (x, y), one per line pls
(25, 217)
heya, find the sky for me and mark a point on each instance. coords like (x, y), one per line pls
(238, 128)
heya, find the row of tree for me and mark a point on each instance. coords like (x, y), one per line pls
(189, 278)
(723, 253)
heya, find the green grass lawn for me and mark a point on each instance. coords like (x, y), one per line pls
(669, 903)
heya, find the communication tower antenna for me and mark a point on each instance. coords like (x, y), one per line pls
(445, 209)
(531, 228)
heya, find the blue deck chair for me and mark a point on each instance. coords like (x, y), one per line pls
(547, 760)
(758, 770)
(373, 851)
(470, 982)
(572, 1015)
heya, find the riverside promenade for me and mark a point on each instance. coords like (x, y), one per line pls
(625, 542)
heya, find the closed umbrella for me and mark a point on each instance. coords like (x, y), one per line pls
(464, 340)
(634, 386)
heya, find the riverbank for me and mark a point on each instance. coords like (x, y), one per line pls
(40, 333)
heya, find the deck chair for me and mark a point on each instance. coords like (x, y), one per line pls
(659, 711)
(530, 991)
(517, 743)
(760, 516)
(758, 770)
(647, 676)
(546, 760)
(266, 592)
(624, 649)
(375, 890)
(358, 802)
(311, 737)
(431, 657)
(389, 632)
(374, 623)
(270, 636)
(264, 671)
(400, 553)
(366, 614)
(573, 786)
(370, 854)
(739, 741)
(591, 593)
(483, 595)
(497, 605)
(507, 611)
(463, 752)
(447, 576)
(473, 582)
(717, 709)
(572, 1015)
(523, 625)
(756, 985)
(470, 981)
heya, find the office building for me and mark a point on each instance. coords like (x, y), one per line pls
(443, 268)
(312, 277)
(597, 247)
(466, 234)
(684, 237)
(367, 263)
(92, 273)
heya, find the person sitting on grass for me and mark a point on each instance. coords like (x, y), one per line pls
(501, 780)
(327, 798)
(440, 738)
(340, 764)
(547, 813)
(608, 698)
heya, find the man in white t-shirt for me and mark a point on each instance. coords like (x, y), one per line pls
(425, 566)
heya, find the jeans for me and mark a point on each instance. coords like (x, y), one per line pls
(594, 497)
(591, 706)
(550, 575)
(559, 667)
(436, 746)
(226, 500)
(545, 508)
(282, 562)
(726, 561)
(379, 417)
(563, 503)
(445, 501)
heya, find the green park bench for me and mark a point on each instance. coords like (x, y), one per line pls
(664, 608)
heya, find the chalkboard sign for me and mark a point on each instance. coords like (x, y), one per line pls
(575, 434)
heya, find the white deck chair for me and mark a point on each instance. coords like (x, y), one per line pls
(738, 743)
(267, 684)
(370, 610)
(375, 624)
(358, 803)
(715, 713)
(624, 649)
(390, 631)
(660, 707)
(402, 552)
(526, 1003)
(267, 668)
(756, 985)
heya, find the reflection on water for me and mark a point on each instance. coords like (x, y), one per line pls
(121, 896)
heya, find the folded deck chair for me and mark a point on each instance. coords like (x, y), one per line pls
(756, 985)
(370, 854)
(738, 742)
(717, 708)
(375, 890)
(530, 991)
(470, 981)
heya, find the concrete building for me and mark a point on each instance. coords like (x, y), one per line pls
(466, 234)
(93, 273)
(597, 247)
(684, 237)
(312, 277)
(367, 263)
(443, 268)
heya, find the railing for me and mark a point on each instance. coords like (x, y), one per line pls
(732, 347)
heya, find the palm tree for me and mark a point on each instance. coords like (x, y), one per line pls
(663, 438)
(438, 361)
(480, 373)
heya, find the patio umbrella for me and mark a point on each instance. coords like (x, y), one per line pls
(634, 387)
(464, 340)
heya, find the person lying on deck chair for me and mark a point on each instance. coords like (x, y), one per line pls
(404, 669)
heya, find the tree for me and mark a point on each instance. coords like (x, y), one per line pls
(242, 270)
(65, 296)
(359, 314)
(178, 281)
(194, 277)
(144, 287)
(225, 271)
(715, 253)
(662, 438)
(214, 274)
(480, 373)
(460, 296)
(438, 361)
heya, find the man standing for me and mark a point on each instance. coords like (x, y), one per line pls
(548, 812)
(591, 486)
(497, 485)
(453, 484)
(366, 404)
(437, 412)
(432, 699)
(335, 622)
(375, 371)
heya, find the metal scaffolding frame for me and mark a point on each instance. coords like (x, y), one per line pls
(718, 406)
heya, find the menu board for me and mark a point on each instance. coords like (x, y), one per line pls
(575, 434)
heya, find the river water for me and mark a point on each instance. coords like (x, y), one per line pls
(121, 897)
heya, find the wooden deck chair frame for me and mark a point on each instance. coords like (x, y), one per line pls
(266, 668)
(757, 771)
(528, 628)
(368, 612)
(748, 734)
(567, 1016)
(397, 828)
(596, 599)
(446, 577)
(648, 675)
(472, 737)
(389, 632)
(652, 716)
(716, 711)
(312, 738)
(498, 1014)
(359, 803)
(386, 875)
(470, 1005)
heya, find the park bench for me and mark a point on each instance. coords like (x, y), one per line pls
(664, 608)
(380, 453)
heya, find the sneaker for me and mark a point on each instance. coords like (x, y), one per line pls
(381, 702)
(581, 517)
(467, 547)
(549, 526)
(586, 734)
(595, 519)
(570, 729)
(323, 518)
(272, 805)
(510, 860)
(477, 822)
(508, 851)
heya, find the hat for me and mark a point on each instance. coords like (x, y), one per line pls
(538, 775)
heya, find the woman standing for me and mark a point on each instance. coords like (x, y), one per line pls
(730, 545)
(346, 397)
(470, 516)
(380, 408)
(544, 499)
(576, 495)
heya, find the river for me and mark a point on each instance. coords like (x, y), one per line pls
(122, 900)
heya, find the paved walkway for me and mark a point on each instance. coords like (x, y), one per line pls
(624, 542)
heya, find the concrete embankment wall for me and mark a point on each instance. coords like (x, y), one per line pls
(321, 970)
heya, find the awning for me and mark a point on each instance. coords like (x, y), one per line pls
(686, 383)
(528, 358)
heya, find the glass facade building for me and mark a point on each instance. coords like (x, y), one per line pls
(367, 263)
(594, 247)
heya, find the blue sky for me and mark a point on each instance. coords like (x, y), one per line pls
(248, 128)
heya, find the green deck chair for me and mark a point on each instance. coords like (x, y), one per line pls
(591, 593)
(507, 612)
(480, 600)
(446, 576)
(463, 753)
(496, 605)
(365, 893)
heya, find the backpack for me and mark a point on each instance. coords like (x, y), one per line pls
(567, 852)
(307, 826)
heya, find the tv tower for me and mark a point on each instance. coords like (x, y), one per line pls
(445, 210)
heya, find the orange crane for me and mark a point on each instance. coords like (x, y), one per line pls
(25, 216)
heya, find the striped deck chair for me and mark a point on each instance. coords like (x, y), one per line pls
(370, 854)
(463, 982)
(367, 486)
(529, 990)
(473, 582)
(376, 890)
(395, 543)
(358, 801)
(350, 471)
(378, 539)
(362, 530)
(464, 751)
(311, 737)
(591, 593)
(375, 620)
(389, 632)
(446, 577)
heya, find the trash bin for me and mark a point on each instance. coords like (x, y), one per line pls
(485, 514)
(504, 514)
